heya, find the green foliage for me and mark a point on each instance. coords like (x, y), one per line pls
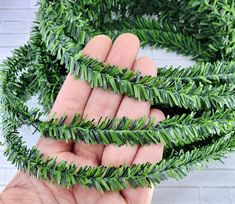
(112, 178)
(202, 131)
(184, 95)
(168, 36)
(173, 132)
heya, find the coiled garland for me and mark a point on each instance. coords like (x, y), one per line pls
(200, 99)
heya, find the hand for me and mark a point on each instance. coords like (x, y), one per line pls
(76, 96)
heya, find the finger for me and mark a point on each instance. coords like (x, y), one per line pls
(72, 99)
(123, 54)
(157, 114)
(74, 94)
(152, 154)
(112, 197)
(133, 109)
(105, 104)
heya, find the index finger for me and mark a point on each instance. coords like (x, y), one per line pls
(74, 94)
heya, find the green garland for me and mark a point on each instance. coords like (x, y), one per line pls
(202, 95)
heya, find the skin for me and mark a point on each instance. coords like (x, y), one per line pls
(76, 96)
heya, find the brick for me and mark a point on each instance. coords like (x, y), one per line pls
(2, 3)
(3, 179)
(4, 163)
(173, 62)
(6, 52)
(13, 39)
(16, 4)
(228, 163)
(32, 4)
(163, 58)
(233, 194)
(180, 202)
(28, 137)
(17, 14)
(1, 140)
(206, 178)
(146, 51)
(10, 173)
(215, 195)
(165, 54)
(14, 27)
(176, 194)
(2, 187)
(1, 27)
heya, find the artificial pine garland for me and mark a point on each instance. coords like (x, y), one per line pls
(200, 99)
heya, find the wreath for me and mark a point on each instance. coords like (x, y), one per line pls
(199, 100)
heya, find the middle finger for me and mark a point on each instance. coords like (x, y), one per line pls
(133, 109)
(103, 103)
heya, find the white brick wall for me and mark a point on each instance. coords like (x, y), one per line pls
(215, 185)
(15, 23)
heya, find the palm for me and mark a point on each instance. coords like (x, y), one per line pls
(77, 97)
